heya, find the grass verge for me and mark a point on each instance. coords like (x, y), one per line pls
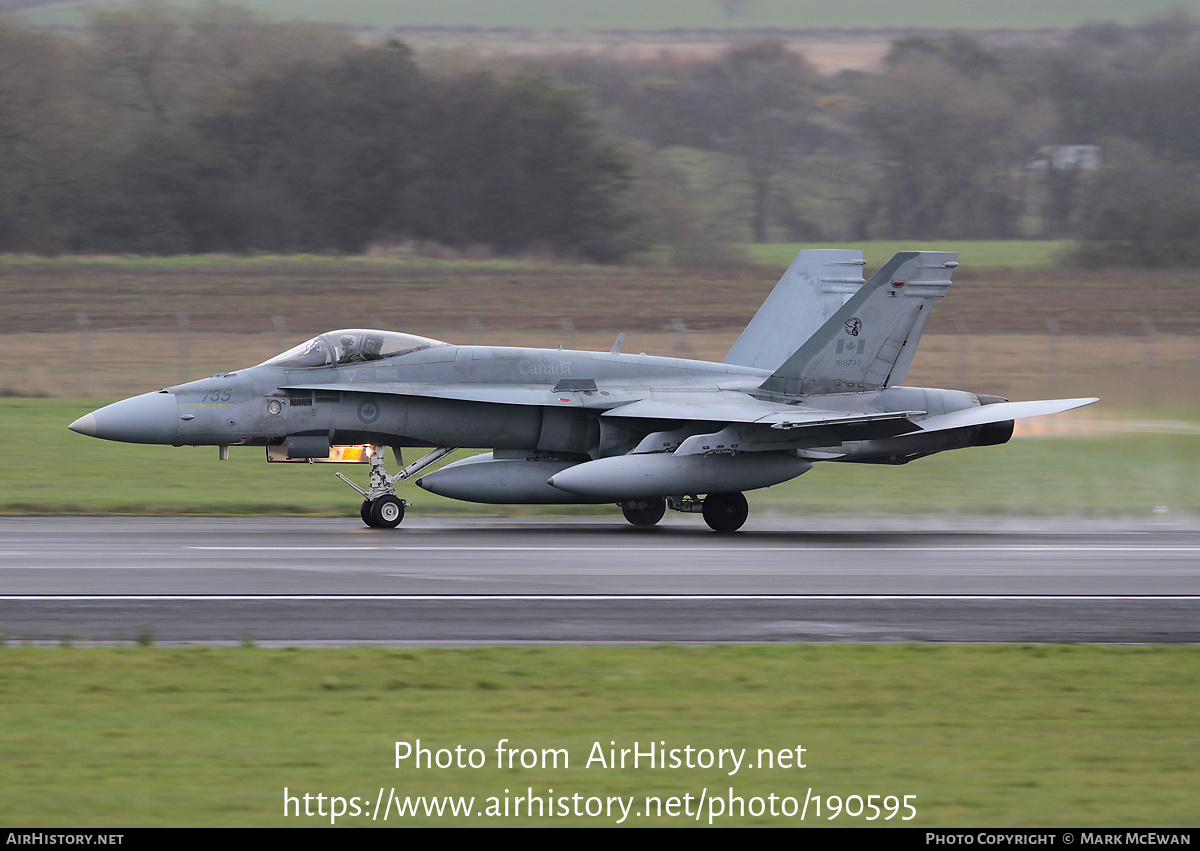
(1123, 474)
(981, 735)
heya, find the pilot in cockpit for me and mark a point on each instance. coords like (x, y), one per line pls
(348, 349)
(354, 349)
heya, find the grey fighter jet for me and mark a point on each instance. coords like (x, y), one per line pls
(816, 376)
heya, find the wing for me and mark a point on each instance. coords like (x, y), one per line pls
(751, 425)
(745, 424)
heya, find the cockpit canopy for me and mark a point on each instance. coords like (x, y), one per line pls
(350, 346)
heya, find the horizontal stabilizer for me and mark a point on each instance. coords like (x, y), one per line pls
(1000, 412)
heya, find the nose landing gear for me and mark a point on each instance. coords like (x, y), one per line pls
(381, 508)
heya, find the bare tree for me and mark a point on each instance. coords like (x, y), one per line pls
(951, 151)
(760, 103)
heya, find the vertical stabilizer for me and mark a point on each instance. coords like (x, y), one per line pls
(818, 282)
(868, 344)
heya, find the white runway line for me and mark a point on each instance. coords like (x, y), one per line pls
(1012, 548)
(581, 598)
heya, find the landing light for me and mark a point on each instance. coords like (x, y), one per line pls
(357, 454)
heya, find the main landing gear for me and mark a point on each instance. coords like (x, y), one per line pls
(723, 512)
(644, 512)
(381, 508)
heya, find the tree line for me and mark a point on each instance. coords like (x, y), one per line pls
(159, 130)
(165, 131)
(1089, 135)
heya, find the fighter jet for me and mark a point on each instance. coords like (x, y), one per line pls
(816, 376)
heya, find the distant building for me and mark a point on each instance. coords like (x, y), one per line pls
(1066, 158)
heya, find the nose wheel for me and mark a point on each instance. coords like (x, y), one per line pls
(386, 512)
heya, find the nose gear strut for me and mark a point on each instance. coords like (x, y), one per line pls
(381, 508)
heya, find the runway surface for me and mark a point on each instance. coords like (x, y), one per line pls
(464, 580)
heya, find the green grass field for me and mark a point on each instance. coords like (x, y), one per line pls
(297, 262)
(998, 735)
(980, 254)
(47, 469)
(976, 255)
(981, 736)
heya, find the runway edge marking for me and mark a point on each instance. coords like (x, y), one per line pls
(30, 598)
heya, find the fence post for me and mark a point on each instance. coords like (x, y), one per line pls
(681, 348)
(185, 346)
(964, 353)
(1055, 355)
(568, 332)
(1150, 333)
(85, 352)
(280, 326)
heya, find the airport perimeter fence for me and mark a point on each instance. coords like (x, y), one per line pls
(1133, 367)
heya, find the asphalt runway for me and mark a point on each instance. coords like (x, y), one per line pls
(465, 580)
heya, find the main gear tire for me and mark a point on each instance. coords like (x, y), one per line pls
(725, 512)
(644, 512)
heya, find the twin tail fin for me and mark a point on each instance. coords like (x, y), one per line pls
(868, 344)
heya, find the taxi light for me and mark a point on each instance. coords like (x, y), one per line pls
(353, 454)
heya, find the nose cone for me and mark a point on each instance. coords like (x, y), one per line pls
(149, 418)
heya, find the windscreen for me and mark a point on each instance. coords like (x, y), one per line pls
(350, 346)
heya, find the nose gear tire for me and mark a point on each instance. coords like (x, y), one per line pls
(387, 512)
